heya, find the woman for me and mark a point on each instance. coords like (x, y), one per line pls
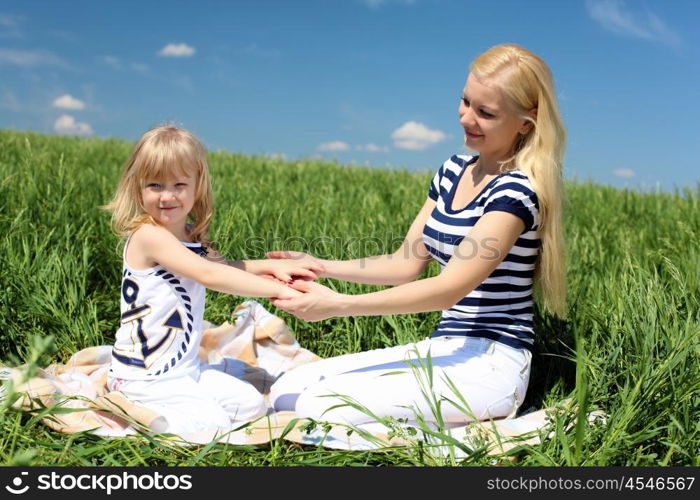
(494, 223)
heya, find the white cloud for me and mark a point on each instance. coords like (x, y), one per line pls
(372, 148)
(67, 101)
(66, 124)
(333, 146)
(177, 50)
(625, 173)
(614, 16)
(416, 136)
(29, 58)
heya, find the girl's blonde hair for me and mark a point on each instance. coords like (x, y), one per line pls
(528, 85)
(160, 153)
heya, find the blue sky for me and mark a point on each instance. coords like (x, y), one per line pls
(361, 81)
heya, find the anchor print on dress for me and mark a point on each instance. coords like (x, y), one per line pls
(144, 355)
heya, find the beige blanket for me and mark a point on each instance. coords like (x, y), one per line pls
(73, 397)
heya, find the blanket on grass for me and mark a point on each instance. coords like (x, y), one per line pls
(73, 397)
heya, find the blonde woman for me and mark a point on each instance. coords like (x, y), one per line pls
(493, 221)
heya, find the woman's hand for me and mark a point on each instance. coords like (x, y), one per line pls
(318, 302)
(273, 278)
(302, 259)
(286, 269)
(286, 293)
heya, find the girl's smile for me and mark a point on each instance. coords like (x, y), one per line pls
(169, 201)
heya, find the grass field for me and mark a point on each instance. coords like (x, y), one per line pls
(630, 346)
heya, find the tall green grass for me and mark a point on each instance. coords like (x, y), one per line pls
(630, 345)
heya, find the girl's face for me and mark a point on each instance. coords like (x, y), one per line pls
(169, 201)
(490, 126)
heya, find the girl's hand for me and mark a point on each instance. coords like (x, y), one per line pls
(315, 304)
(302, 259)
(287, 270)
(272, 278)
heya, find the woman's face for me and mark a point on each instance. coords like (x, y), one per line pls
(490, 125)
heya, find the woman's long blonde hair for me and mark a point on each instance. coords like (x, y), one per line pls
(527, 82)
(159, 154)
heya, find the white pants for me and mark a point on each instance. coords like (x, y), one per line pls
(491, 377)
(202, 403)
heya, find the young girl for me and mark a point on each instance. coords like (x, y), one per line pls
(163, 206)
(494, 224)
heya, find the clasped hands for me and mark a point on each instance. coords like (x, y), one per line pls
(312, 301)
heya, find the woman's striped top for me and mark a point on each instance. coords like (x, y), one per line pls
(501, 307)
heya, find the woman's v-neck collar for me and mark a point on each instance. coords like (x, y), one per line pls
(451, 194)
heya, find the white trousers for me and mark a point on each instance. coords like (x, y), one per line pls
(197, 404)
(491, 378)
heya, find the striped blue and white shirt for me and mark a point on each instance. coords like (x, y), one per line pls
(501, 307)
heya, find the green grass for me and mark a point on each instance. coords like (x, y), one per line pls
(630, 345)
